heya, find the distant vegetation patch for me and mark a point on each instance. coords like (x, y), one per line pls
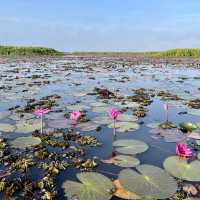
(176, 53)
(27, 51)
(168, 53)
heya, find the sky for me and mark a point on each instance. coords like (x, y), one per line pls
(101, 25)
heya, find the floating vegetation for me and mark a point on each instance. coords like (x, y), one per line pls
(181, 168)
(25, 142)
(148, 181)
(88, 102)
(130, 147)
(91, 186)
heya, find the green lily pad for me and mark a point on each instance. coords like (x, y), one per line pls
(102, 120)
(180, 168)
(148, 181)
(125, 161)
(4, 115)
(188, 126)
(27, 127)
(194, 135)
(153, 125)
(92, 186)
(125, 126)
(127, 118)
(59, 123)
(101, 109)
(24, 142)
(78, 107)
(130, 147)
(99, 104)
(87, 126)
(7, 127)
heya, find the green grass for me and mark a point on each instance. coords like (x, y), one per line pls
(176, 53)
(169, 53)
(27, 51)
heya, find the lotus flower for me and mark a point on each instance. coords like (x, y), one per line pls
(74, 115)
(113, 113)
(183, 151)
(40, 112)
(165, 106)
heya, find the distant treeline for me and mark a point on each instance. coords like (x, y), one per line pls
(27, 51)
(168, 53)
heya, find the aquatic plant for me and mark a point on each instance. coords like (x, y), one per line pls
(182, 169)
(183, 151)
(148, 181)
(40, 112)
(91, 186)
(74, 116)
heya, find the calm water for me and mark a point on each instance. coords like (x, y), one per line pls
(73, 79)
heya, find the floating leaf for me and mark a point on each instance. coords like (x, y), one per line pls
(194, 135)
(24, 142)
(125, 126)
(7, 127)
(169, 135)
(4, 115)
(127, 118)
(130, 147)
(102, 120)
(98, 109)
(180, 168)
(93, 186)
(122, 193)
(125, 161)
(87, 126)
(148, 181)
(153, 125)
(27, 127)
(99, 104)
(59, 123)
(78, 107)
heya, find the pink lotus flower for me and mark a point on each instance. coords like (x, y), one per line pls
(74, 115)
(41, 111)
(183, 151)
(113, 113)
(165, 106)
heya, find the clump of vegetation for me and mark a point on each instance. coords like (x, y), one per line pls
(176, 53)
(27, 51)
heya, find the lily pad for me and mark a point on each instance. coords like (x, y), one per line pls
(99, 109)
(122, 193)
(98, 104)
(125, 161)
(27, 127)
(148, 181)
(24, 142)
(7, 127)
(153, 125)
(125, 126)
(4, 115)
(180, 168)
(87, 126)
(59, 123)
(102, 120)
(92, 186)
(194, 135)
(78, 107)
(127, 118)
(130, 147)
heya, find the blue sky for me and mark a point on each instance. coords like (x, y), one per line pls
(101, 25)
